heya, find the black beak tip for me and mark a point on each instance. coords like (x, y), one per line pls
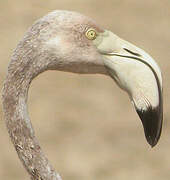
(151, 140)
(152, 124)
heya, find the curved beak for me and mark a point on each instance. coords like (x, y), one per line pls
(139, 75)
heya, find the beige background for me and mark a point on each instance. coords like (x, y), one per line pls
(85, 123)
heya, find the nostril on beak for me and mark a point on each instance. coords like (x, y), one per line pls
(131, 52)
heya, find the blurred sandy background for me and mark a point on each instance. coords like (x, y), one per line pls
(85, 123)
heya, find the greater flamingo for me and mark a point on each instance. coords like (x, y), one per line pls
(69, 41)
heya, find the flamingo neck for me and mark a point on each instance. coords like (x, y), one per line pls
(15, 92)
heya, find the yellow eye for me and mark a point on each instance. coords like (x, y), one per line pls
(91, 34)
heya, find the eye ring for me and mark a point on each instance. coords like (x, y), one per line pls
(91, 34)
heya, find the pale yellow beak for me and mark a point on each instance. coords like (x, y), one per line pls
(139, 75)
